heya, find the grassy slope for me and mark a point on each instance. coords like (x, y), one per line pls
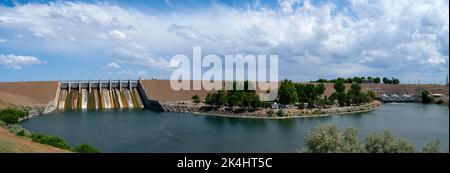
(11, 143)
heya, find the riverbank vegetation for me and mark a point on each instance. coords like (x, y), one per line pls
(294, 100)
(245, 98)
(9, 119)
(327, 138)
(11, 115)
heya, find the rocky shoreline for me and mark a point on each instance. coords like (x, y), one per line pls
(264, 113)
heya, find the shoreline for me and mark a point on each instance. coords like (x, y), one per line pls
(286, 117)
(337, 111)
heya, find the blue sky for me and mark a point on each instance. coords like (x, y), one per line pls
(60, 40)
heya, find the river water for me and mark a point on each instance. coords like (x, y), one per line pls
(150, 131)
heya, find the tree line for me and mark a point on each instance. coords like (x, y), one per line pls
(361, 80)
(305, 95)
(242, 98)
(310, 95)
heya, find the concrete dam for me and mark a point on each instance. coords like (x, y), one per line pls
(49, 96)
(100, 94)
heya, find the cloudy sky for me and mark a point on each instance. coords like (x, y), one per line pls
(59, 40)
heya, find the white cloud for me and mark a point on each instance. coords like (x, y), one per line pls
(118, 35)
(111, 65)
(377, 37)
(2, 40)
(286, 5)
(17, 61)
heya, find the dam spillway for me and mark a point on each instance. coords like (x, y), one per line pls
(100, 94)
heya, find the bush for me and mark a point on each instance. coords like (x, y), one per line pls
(426, 98)
(9, 119)
(195, 99)
(21, 133)
(270, 113)
(432, 147)
(280, 113)
(12, 116)
(317, 112)
(85, 148)
(16, 129)
(329, 139)
(49, 140)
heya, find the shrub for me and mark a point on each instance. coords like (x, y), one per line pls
(9, 119)
(49, 140)
(426, 98)
(270, 113)
(317, 112)
(329, 139)
(16, 128)
(432, 147)
(85, 148)
(195, 99)
(21, 133)
(11, 115)
(280, 113)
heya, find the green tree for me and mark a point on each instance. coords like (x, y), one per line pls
(280, 113)
(386, 143)
(210, 98)
(339, 86)
(432, 147)
(370, 79)
(386, 80)
(12, 115)
(426, 98)
(195, 99)
(287, 92)
(395, 81)
(85, 148)
(339, 94)
(376, 80)
(327, 138)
